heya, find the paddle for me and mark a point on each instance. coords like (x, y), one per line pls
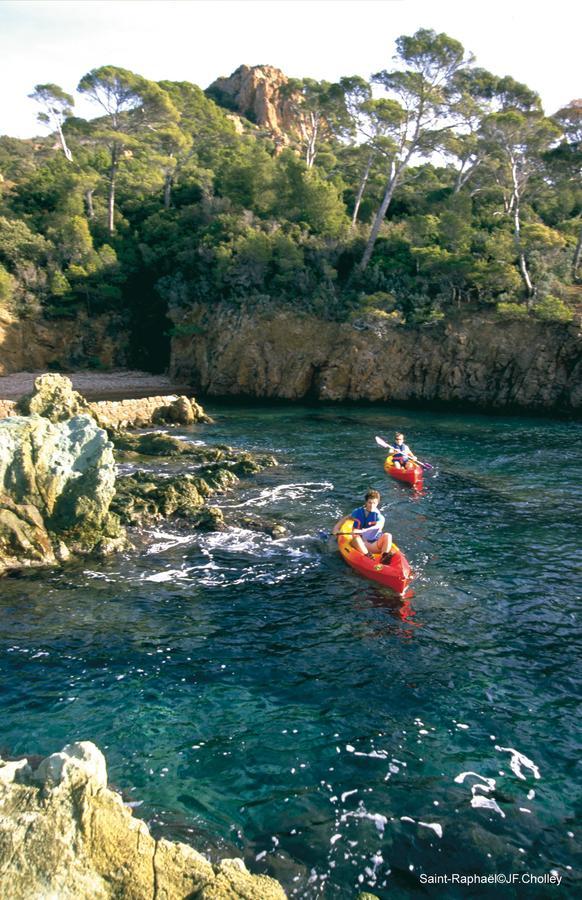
(324, 535)
(383, 443)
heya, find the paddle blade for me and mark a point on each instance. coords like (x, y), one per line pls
(382, 443)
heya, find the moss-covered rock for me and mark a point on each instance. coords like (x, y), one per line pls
(141, 498)
(53, 398)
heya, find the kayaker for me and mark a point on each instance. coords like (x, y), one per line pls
(369, 522)
(402, 458)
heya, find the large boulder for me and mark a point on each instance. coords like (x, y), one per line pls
(57, 481)
(64, 834)
(54, 398)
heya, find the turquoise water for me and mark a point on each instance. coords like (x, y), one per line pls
(257, 698)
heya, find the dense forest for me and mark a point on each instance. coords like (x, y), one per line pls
(433, 187)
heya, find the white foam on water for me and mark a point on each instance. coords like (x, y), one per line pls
(170, 575)
(348, 794)
(379, 820)
(486, 803)
(518, 760)
(490, 782)
(531, 794)
(334, 838)
(436, 827)
(406, 819)
(294, 491)
(373, 754)
(166, 541)
(461, 725)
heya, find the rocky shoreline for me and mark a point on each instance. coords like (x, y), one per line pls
(472, 361)
(64, 833)
(60, 494)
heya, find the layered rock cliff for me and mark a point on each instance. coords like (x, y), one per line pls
(257, 92)
(478, 361)
(64, 834)
(40, 344)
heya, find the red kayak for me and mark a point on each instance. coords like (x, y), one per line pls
(395, 574)
(411, 476)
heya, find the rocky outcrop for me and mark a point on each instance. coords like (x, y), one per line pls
(141, 498)
(257, 92)
(53, 398)
(479, 361)
(41, 344)
(145, 411)
(65, 834)
(57, 481)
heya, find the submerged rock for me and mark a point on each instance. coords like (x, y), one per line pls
(65, 834)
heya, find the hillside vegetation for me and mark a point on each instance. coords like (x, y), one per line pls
(433, 187)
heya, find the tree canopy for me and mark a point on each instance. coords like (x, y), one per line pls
(432, 186)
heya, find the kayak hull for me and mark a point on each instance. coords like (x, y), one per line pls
(396, 574)
(411, 476)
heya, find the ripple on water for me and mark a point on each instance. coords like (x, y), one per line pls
(257, 694)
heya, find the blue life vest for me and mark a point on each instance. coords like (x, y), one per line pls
(372, 522)
(402, 452)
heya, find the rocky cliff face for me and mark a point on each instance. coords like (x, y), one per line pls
(64, 834)
(255, 92)
(479, 361)
(36, 344)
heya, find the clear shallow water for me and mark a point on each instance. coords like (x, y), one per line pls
(257, 698)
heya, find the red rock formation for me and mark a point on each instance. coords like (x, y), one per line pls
(255, 92)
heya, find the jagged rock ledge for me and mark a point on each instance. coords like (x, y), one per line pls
(65, 834)
(59, 490)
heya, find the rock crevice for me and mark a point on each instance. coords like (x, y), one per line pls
(65, 834)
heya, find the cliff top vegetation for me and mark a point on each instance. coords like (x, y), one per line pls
(434, 186)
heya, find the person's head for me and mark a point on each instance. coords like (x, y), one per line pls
(399, 437)
(371, 500)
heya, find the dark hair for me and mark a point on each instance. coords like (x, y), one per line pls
(372, 495)
(396, 433)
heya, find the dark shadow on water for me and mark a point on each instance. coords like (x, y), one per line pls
(399, 609)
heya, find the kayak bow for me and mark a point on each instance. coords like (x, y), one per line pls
(411, 476)
(395, 574)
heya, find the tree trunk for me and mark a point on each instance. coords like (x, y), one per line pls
(463, 176)
(390, 188)
(89, 203)
(360, 194)
(111, 197)
(577, 255)
(66, 150)
(517, 238)
(312, 141)
(168, 190)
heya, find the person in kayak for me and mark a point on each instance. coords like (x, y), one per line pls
(369, 536)
(403, 457)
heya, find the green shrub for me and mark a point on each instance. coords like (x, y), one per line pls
(7, 286)
(552, 309)
(512, 310)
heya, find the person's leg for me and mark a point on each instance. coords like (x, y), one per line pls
(384, 543)
(359, 544)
